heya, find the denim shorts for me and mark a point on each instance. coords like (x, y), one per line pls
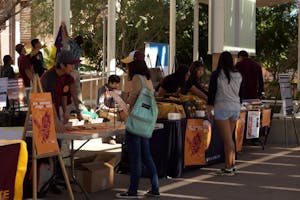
(226, 114)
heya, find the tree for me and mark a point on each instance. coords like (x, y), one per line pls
(276, 37)
(10, 8)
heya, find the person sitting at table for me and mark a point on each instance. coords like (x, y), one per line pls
(106, 105)
(193, 85)
(225, 96)
(7, 70)
(175, 83)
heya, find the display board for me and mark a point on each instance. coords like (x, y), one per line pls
(286, 93)
(43, 123)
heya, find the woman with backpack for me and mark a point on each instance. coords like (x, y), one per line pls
(138, 147)
(224, 96)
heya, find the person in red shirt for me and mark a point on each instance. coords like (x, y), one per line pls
(253, 82)
(25, 68)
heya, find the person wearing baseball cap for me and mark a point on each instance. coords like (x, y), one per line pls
(60, 84)
(138, 147)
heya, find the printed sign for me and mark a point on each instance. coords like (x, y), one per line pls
(253, 124)
(197, 140)
(3, 91)
(239, 131)
(43, 123)
(16, 91)
(286, 93)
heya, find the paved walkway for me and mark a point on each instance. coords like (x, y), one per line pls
(270, 174)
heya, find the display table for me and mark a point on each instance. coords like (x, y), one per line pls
(254, 126)
(167, 148)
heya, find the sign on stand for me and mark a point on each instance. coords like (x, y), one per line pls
(286, 94)
(43, 123)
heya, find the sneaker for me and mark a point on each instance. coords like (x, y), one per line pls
(225, 172)
(126, 195)
(152, 193)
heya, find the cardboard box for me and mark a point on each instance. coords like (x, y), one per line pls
(96, 175)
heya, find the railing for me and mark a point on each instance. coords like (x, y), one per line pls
(90, 84)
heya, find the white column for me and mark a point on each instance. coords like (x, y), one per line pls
(61, 13)
(298, 81)
(111, 37)
(196, 31)
(172, 36)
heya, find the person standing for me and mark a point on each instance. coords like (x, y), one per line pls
(138, 147)
(252, 76)
(58, 81)
(25, 68)
(224, 96)
(36, 57)
(7, 70)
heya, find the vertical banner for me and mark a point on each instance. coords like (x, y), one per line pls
(3, 91)
(13, 156)
(239, 131)
(43, 123)
(197, 140)
(253, 124)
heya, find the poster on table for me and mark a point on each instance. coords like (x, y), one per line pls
(253, 124)
(44, 134)
(16, 91)
(3, 92)
(197, 140)
(14, 154)
(239, 131)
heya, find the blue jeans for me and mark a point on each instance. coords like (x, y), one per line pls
(138, 152)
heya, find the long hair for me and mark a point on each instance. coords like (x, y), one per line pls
(193, 69)
(180, 74)
(138, 67)
(225, 63)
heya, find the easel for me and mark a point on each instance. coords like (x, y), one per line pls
(287, 104)
(37, 88)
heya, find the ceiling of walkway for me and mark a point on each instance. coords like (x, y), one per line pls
(7, 7)
(261, 3)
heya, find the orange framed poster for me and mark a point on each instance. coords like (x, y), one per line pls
(44, 134)
(197, 140)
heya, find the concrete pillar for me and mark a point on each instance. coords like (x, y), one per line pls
(298, 83)
(196, 31)
(111, 37)
(61, 13)
(172, 39)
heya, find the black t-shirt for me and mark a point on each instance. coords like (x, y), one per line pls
(38, 63)
(194, 82)
(171, 84)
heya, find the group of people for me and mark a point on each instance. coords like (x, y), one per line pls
(229, 85)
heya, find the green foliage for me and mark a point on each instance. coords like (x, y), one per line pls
(42, 13)
(276, 37)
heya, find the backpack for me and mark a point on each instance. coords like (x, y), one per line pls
(142, 118)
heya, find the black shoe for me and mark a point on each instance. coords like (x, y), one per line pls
(152, 193)
(126, 195)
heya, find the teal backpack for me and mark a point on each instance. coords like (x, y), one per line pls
(142, 118)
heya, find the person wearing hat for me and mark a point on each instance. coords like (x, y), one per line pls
(60, 83)
(138, 147)
(25, 68)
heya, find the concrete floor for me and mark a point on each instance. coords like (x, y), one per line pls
(273, 173)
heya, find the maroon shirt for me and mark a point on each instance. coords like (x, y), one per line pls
(23, 64)
(55, 84)
(253, 82)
